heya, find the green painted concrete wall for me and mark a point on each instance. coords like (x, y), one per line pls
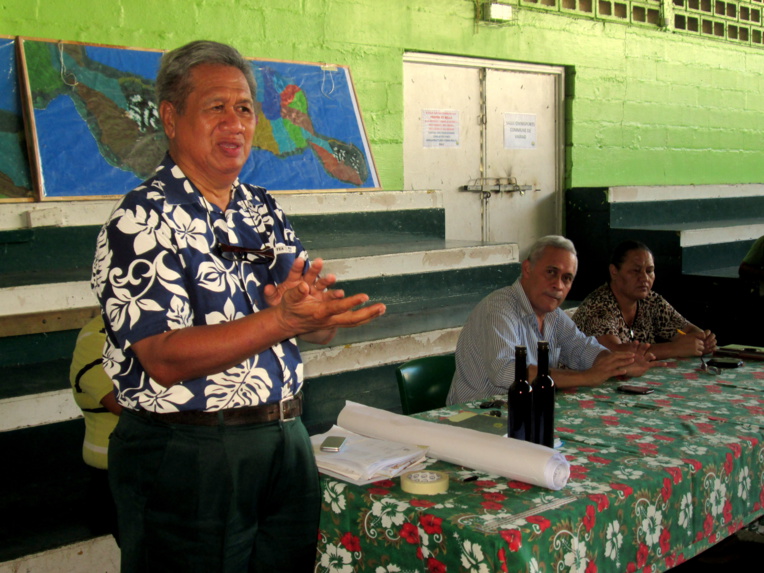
(647, 107)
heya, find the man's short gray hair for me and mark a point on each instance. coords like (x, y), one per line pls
(173, 83)
(556, 241)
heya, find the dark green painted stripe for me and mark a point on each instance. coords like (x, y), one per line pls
(719, 255)
(686, 211)
(32, 348)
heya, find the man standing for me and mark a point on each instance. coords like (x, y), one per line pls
(523, 314)
(205, 287)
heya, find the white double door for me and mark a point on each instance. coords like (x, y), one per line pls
(490, 136)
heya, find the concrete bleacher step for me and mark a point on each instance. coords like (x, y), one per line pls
(699, 231)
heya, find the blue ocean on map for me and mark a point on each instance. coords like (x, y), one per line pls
(64, 144)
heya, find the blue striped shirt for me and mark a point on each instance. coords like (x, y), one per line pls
(485, 351)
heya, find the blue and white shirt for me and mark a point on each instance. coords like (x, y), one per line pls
(159, 266)
(485, 351)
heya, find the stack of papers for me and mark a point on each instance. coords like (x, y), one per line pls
(365, 460)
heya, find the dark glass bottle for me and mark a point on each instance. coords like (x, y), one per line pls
(543, 399)
(520, 399)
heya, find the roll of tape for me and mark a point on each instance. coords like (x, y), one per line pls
(424, 482)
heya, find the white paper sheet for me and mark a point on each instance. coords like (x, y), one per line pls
(506, 457)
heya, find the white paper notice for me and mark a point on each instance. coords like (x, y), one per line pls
(519, 131)
(440, 127)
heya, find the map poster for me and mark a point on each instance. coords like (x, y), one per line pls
(15, 182)
(92, 116)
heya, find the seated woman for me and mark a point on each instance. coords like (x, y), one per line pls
(626, 309)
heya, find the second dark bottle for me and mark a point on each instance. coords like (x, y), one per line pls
(543, 400)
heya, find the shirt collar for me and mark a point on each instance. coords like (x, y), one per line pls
(176, 187)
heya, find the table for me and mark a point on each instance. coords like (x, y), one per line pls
(655, 480)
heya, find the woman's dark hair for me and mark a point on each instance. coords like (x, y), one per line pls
(620, 252)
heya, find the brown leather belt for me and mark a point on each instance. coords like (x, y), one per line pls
(285, 410)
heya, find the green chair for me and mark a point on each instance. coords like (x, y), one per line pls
(424, 382)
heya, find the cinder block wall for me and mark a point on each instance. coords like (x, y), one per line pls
(647, 106)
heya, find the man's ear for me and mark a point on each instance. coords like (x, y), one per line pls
(613, 271)
(168, 113)
(526, 267)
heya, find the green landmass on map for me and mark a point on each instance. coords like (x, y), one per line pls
(118, 107)
(14, 172)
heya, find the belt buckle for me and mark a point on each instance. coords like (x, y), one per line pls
(282, 405)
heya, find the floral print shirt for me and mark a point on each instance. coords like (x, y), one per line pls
(164, 261)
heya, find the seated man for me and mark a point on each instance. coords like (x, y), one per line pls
(627, 309)
(523, 314)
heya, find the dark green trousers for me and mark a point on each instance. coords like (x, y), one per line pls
(209, 499)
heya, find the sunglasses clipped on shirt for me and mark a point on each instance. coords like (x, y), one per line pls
(254, 256)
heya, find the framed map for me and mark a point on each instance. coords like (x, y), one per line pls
(15, 182)
(95, 128)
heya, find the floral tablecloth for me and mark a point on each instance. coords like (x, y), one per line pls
(655, 479)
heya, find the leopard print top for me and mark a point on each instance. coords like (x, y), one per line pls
(656, 320)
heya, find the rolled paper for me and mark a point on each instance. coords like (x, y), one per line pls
(505, 457)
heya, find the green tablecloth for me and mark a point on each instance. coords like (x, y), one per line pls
(655, 479)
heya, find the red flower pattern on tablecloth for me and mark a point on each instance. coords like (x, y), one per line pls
(578, 472)
(589, 518)
(736, 449)
(727, 511)
(601, 500)
(541, 522)
(485, 483)
(664, 541)
(494, 496)
(706, 428)
(728, 463)
(435, 566)
(351, 542)
(410, 533)
(642, 554)
(378, 491)
(421, 503)
(696, 465)
(623, 488)
(491, 505)
(513, 538)
(431, 524)
(666, 490)
(522, 486)
(676, 474)
(502, 555)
